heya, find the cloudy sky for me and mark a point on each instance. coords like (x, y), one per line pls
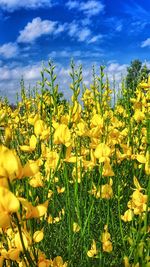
(109, 32)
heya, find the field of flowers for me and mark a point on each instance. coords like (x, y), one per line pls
(74, 176)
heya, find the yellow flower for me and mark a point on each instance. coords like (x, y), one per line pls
(39, 126)
(144, 85)
(10, 165)
(31, 168)
(139, 116)
(136, 183)
(38, 236)
(106, 190)
(41, 129)
(58, 262)
(8, 204)
(32, 144)
(102, 152)
(52, 161)
(141, 158)
(138, 202)
(97, 120)
(18, 242)
(34, 212)
(36, 180)
(13, 254)
(81, 128)
(93, 251)
(126, 262)
(8, 134)
(60, 190)
(76, 227)
(62, 135)
(44, 262)
(107, 169)
(75, 112)
(128, 216)
(106, 240)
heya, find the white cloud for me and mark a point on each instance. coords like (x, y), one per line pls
(73, 29)
(84, 34)
(9, 50)
(78, 32)
(117, 70)
(89, 8)
(11, 5)
(30, 72)
(61, 28)
(86, 21)
(72, 4)
(35, 29)
(68, 54)
(95, 38)
(146, 43)
(10, 78)
(76, 54)
(119, 27)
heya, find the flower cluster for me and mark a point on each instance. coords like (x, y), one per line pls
(66, 166)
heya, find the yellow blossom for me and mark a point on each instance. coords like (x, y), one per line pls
(93, 251)
(128, 216)
(10, 165)
(106, 240)
(32, 144)
(38, 236)
(76, 227)
(102, 152)
(8, 204)
(62, 135)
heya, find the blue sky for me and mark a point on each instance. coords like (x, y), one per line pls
(110, 32)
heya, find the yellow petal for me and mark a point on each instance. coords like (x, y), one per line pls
(4, 219)
(3, 172)
(102, 151)
(33, 142)
(62, 135)
(93, 251)
(1, 261)
(128, 216)
(25, 148)
(18, 242)
(30, 169)
(76, 227)
(141, 158)
(8, 200)
(58, 262)
(38, 127)
(38, 236)
(40, 210)
(8, 134)
(13, 254)
(36, 181)
(4, 182)
(136, 183)
(10, 162)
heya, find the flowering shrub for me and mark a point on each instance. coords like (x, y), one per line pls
(74, 177)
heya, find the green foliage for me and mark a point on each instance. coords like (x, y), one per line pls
(135, 74)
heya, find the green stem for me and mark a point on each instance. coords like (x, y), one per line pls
(23, 245)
